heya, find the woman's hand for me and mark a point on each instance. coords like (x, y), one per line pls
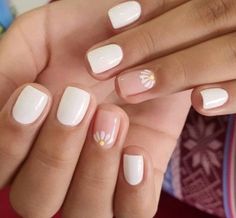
(49, 45)
(190, 46)
(50, 176)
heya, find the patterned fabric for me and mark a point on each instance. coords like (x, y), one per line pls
(196, 171)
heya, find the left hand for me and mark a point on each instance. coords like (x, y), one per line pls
(191, 46)
(53, 55)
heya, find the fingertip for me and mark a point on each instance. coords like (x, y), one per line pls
(211, 100)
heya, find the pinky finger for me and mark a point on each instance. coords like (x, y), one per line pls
(215, 99)
(135, 192)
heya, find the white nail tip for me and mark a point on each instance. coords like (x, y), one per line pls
(124, 14)
(105, 58)
(133, 169)
(73, 106)
(213, 98)
(29, 105)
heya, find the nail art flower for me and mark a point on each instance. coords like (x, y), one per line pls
(147, 79)
(102, 138)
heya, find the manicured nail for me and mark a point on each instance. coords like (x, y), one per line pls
(124, 14)
(73, 106)
(136, 82)
(105, 58)
(133, 168)
(213, 98)
(106, 128)
(29, 105)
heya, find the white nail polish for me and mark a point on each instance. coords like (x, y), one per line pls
(133, 169)
(213, 98)
(73, 106)
(105, 58)
(124, 14)
(29, 105)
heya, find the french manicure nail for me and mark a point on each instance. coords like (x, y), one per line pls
(106, 128)
(105, 58)
(133, 168)
(73, 106)
(124, 14)
(213, 98)
(29, 105)
(136, 82)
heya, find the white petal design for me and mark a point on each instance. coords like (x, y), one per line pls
(96, 137)
(147, 72)
(107, 137)
(102, 138)
(147, 79)
(102, 135)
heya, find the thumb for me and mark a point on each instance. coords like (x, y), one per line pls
(23, 53)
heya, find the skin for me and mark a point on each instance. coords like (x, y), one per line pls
(48, 46)
(197, 52)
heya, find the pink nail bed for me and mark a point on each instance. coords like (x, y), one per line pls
(106, 128)
(136, 82)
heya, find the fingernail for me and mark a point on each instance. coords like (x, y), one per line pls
(213, 98)
(124, 14)
(106, 128)
(136, 82)
(133, 168)
(105, 58)
(29, 105)
(73, 106)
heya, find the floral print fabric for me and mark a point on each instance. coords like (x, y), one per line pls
(195, 173)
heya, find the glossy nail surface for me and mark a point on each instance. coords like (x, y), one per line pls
(213, 98)
(136, 82)
(73, 106)
(29, 105)
(106, 128)
(133, 168)
(124, 14)
(105, 58)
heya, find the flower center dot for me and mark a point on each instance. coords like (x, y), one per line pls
(102, 142)
(151, 77)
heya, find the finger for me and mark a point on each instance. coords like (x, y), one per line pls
(41, 185)
(20, 120)
(198, 20)
(92, 189)
(215, 99)
(123, 15)
(199, 65)
(135, 192)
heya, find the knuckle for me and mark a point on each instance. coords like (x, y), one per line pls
(95, 178)
(9, 148)
(183, 72)
(231, 43)
(214, 11)
(53, 159)
(148, 43)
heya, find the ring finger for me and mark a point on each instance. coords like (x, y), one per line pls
(92, 190)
